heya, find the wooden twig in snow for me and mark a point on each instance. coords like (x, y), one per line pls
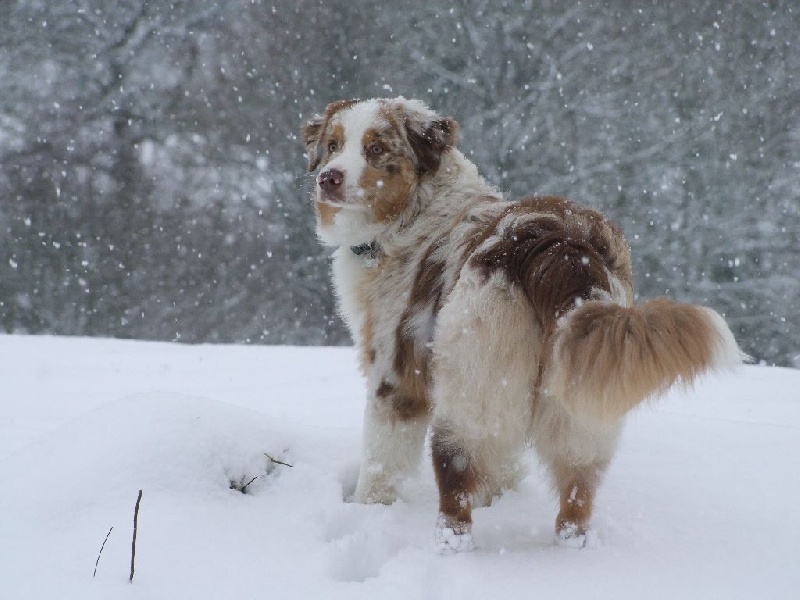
(243, 489)
(135, 529)
(276, 461)
(100, 553)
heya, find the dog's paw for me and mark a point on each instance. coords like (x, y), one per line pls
(375, 495)
(449, 542)
(453, 539)
(571, 536)
(374, 487)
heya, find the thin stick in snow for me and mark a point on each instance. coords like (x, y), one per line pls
(276, 461)
(244, 487)
(100, 553)
(135, 528)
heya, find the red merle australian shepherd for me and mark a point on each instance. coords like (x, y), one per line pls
(496, 323)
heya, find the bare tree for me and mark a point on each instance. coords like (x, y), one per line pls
(152, 182)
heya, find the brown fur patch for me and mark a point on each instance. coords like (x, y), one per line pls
(423, 142)
(412, 369)
(326, 212)
(388, 177)
(314, 131)
(336, 135)
(576, 490)
(429, 140)
(456, 480)
(428, 282)
(368, 353)
(385, 389)
(556, 251)
(412, 355)
(409, 407)
(388, 192)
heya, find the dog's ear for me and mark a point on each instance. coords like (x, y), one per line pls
(429, 139)
(312, 130)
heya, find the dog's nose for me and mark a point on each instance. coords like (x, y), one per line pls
(330, 180)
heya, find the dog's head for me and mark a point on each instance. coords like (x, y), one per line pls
(371, 156)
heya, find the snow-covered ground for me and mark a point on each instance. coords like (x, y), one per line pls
(701, 502)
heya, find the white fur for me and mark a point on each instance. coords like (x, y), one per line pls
(620, 294)
(352, 224)
(356, 120)
(485, 361)
(560, 438)
(727, 353)
(347, 271)
(392, 451)
(352, 227)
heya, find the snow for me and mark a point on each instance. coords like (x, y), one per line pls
(701, 501)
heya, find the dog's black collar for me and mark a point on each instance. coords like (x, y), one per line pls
(367, 251)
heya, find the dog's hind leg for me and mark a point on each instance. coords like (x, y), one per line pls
(484, 365)
(576, 485)
(577, 454)
(457, 477)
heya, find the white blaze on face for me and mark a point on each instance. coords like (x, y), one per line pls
(355, 120)
(353, 222)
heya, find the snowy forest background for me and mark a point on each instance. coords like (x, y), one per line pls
(152, 184)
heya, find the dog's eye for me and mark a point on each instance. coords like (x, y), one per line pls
(332, 147)
(375, 149)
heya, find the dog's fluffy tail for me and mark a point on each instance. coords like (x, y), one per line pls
(607, 359)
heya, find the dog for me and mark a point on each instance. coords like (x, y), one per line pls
(496, 324)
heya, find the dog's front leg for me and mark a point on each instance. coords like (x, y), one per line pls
(392, 447)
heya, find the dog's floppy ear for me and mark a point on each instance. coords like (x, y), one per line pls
(312, 130)
(429, 139)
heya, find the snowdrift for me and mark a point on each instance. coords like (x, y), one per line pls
(699, 503)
